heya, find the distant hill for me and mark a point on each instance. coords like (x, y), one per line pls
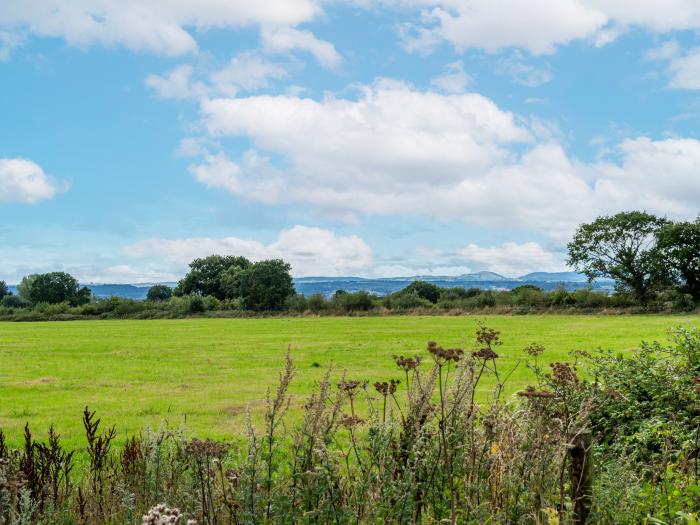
(547, 277)
(382, 286)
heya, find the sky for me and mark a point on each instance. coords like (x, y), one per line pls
(348, 137)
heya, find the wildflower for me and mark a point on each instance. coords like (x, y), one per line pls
(552, 515)
(164, 515)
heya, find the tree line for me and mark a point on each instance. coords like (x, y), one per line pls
(654, 262)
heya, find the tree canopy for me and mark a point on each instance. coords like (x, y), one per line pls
(424, 290)
(622, 247)
(159, 292)
(213, 275)
(679, 245)
(4, 290)
(53, 288)
(266, 285)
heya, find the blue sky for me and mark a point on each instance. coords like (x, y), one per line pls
(350, 137)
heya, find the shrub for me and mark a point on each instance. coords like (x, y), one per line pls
(159, 292)
(587, 298)
(649, 403)
(528, 295)
(423, 290)
(296, 303)
(354, 301)
(406, 301)
(559, 297)
(13, 301)
(317, 303)
(195, 304)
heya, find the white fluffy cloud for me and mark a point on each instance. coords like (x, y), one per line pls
(539, 26)
(512, 259)
(8, 41)
(245, 72)
(22, 180)
(659, 175)
(453, 80)
(158, 26)
(310, 251)
(682, 67)
(285, 39)
(395, 150)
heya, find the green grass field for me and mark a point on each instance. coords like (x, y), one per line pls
(204, 372)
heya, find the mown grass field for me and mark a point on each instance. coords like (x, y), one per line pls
(204, 372)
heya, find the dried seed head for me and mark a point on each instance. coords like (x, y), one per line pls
(206, 449)
(532, 393)
(351, 421)
(348, 386)
(164, 515)
(488, 336)
(564, 373)
(407, 363)
(386, 388)
(534, 349)
(485, 354)
(443, 355)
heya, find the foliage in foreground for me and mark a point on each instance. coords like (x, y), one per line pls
(619, 447)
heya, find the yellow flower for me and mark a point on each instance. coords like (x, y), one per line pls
(552, 515)
(495, 448)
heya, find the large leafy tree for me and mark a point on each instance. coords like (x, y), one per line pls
(212, 275)
(266, 285)
(679, 244)
(622, 247)
(56, 287)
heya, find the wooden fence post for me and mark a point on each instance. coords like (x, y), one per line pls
(581, 477)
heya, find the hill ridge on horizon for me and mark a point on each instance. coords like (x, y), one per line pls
(382, 285)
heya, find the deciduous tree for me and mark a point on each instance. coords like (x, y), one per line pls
(622, 247)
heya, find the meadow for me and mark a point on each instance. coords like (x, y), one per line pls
(203, 373)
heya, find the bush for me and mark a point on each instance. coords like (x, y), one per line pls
(649, 403)
(159, 292)
(560, 297)
(195, 304)
(407, 301)
(587, 298)
(317, 303)
(13, 301)
(296, 303)
(423, 290)
(354, 301)
(528, 295)
(484, 299)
